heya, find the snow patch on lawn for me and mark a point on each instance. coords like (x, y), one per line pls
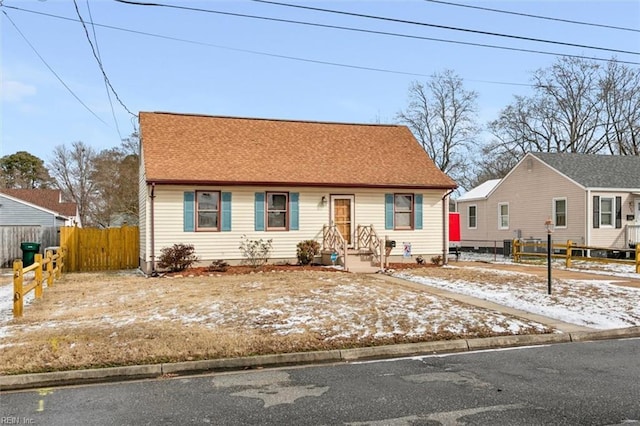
(594, 303)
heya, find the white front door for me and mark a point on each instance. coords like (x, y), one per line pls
(342, 215)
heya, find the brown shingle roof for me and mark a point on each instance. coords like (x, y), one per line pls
(183, 148)
(45, 198)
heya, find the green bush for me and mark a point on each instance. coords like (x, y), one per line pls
(255, 252)
(177, 257)
(306, 251)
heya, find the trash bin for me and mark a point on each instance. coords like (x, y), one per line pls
(29, 251)
(506, 248)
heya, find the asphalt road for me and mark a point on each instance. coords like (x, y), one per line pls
(593, 383)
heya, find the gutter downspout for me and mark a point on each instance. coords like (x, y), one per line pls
(152, 196)
(445, 220)
(588, 220)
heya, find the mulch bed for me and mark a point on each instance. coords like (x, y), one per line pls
(245, 269)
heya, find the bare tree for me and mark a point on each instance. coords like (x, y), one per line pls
(72, 169)
(571, 107)
(577, 106)
(115, 177)
(620, 91)
(442, 115)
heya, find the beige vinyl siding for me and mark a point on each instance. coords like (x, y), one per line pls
(369, 210)
(610, 236)
(469, 236)
(530, 194)
(143, 201)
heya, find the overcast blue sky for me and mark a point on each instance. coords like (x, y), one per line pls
(236, 66)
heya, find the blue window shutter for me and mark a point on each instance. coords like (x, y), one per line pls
(293, 211)
(618, 212)
(417, 201)
(189, 211)
(226, 212)
(388, 211)
(259, 211)
(596, 211)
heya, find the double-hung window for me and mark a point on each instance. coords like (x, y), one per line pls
(472, 217)
(606, 211)
(277, 211)
(403, 211)
(503, 216)
(208, 210)
(560, 212)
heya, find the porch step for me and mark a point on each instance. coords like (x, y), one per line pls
(361, 262)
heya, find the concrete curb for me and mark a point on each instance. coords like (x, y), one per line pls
(102, 375)
(618, 333)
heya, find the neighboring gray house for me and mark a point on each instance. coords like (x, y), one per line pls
(591, 199)
(32, 215)
(36, 207)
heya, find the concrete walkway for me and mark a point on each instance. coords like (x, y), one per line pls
(485, 304)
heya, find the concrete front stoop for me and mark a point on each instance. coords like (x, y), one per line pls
(361, 262)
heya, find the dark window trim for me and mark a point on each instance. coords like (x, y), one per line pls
(565, 212)
(411, 212)
(475, 216)
(611, 212)
(286, 210)
(197, 209)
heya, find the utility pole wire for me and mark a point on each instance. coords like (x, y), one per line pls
(51, 69)
(424, 24)
(95, 39)
(93, 50)
(314, 24)
(528, 15)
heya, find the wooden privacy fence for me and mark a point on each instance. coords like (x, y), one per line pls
(51, 263)
(570, 252)
(93, 249)
(12, 236)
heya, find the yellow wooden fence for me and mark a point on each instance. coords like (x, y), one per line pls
(93, 249)
(51, 263)
(539, 249)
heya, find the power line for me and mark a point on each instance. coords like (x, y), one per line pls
(51, 69)
(403, 21)
(293, 58)
(93, 50)
(285, 56)
(528, 15)
(95, 38)
(314, 24)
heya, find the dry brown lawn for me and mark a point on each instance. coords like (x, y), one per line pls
(108, 319)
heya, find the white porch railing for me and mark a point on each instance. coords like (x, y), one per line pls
(633, 235)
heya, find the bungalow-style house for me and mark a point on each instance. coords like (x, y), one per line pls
(36, 207)
(590, 199)
(210, 180)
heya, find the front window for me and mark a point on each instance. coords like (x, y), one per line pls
(208, 210)
(503, 216)
(472, 222)
(277, 210)
(606, 211)
(560, 212)
(403, 211)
